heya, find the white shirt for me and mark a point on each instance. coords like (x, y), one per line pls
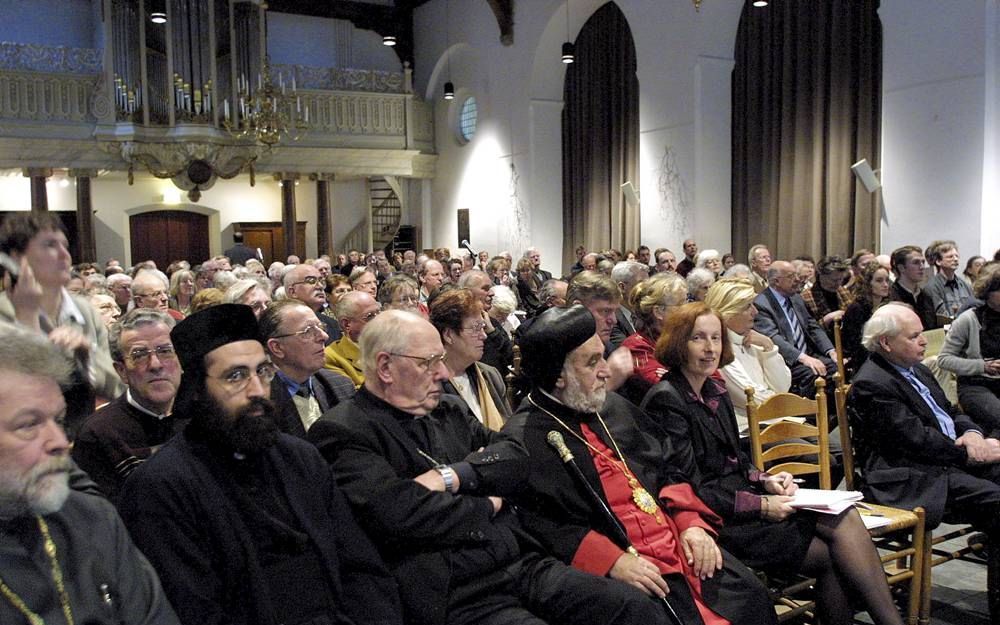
(752, 367)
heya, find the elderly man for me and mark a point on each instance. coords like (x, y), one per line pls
(535, 257)
(428, 480)
(626, 275)
(305, 284)
(430, 277)
(301, 390)
(914, 447)
(667, 546)
(151, 290)
(125, 433)
(783, 317)
(243, 523)
(354, 311)
(828, 298)
(600, 295)
(690, 253)
(498, 350)
(759, 258)
(66, 556)
(120, 285)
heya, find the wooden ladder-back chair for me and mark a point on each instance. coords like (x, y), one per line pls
(767, 446)
(511, 376)
(903, 553)
(838, 344)
(905, 543)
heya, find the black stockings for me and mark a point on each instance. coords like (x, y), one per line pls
(843, 559)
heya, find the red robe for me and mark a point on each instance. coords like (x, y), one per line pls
(655, 538)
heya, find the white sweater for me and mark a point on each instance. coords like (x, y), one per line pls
(764, 371)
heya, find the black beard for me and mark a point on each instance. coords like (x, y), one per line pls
(243, 432)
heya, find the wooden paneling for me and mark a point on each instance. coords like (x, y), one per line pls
(269, 236)
(166, 236)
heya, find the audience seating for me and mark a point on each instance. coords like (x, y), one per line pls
(902, 541)
(888, 539)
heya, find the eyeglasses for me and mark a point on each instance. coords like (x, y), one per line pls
(156, 294)
(238, 378)
(407, 299)
(310, 280)
(369, 316)
(312, 332)
(425, 362)
(475, 328)
(140, 356)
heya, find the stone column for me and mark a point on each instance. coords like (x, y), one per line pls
(323, 243)
(85, 215)
(288, 209)
(39, 196)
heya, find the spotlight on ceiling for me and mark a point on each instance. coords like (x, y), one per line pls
(389, 40)
(760, 3)
(158, 17)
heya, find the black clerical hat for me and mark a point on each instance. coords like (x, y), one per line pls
(208, 329)
(551, 337)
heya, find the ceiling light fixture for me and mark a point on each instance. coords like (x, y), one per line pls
(389, 40)
(158, 17)
(449, 91)
(568, 49)
(760, 3)
(449, 87)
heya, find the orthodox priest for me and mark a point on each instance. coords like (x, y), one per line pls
(622, 510)
(243, 523)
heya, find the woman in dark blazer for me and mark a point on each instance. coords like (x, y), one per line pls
(458, 316)
(691, 413)
(869, 292)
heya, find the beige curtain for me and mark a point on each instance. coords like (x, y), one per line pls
(806, 106)
(600, 130)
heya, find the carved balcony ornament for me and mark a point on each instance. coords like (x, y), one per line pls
(192, 166)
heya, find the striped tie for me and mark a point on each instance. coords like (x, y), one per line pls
(797, 336)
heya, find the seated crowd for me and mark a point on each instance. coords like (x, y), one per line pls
(333, 441)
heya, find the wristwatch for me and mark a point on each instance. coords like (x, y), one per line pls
(448, 475)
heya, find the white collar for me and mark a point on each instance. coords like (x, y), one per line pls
(132, 402)
(69, 310)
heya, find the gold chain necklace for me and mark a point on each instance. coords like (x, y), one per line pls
(640, 496)
(57, 577)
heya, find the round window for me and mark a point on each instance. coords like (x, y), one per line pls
(467, 118)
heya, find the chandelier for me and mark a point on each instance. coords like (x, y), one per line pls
(267, 113)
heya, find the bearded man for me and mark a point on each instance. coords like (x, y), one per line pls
(624, 511)
(244, 524)
(66, 556)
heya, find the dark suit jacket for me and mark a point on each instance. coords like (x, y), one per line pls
(898, 442)
(239, 254)
(622, 330)
(543, 275)
(332, 328)
(494, 384)
(432, 541)
(329, 388)
(771, 322)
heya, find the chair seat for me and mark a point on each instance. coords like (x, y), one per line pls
(899, 519)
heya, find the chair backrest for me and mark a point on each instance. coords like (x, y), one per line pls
(844, 428)
(838, 344)
(511, 376)
(935, 341)
(770, 446)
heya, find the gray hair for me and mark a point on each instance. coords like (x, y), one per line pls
(393, 338)
(739, 270)
(115, 278)
(348, 304)
(548, 290)
(706, 255)
(222, 280)
(504, 301)
(33, 355)
(467, 277)
(162, 277)
(629, 272)
(237, 290)
(699, 277)
(130, 321)
(884, 322)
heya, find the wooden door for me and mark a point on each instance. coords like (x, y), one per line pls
(269, 236)
(166, 236)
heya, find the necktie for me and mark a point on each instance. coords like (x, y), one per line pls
(797, 336)
(304, 391)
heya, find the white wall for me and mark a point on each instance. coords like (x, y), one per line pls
(933, 123)
(684, 60)
(234, 201)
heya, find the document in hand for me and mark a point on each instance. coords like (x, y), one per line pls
(825, 501)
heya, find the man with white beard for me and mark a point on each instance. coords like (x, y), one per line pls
(66, 555)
